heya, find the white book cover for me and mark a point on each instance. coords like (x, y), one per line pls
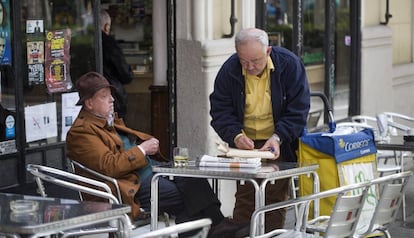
(228, 165)
(208, 158)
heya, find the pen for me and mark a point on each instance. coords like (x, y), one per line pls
(272, 149)
(249, 141)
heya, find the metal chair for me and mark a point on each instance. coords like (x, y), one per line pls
(383, 156)
(81, 184)
(396, 124)
(175, 230)
(392, 188)
(103, 178)
(341, 223)
(399, 123)
(388, 162)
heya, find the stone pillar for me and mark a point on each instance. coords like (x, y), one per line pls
(159, 89)
(159, 42)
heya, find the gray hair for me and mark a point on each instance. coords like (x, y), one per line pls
(252, 34)
(105, 18)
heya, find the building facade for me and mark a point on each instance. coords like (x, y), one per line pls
(362, 60)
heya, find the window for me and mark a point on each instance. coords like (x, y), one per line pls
(59, 42)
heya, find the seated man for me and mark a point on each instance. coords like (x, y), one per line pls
(100, 140)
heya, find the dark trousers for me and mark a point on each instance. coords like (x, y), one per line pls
(245, 203)
(245, 200)
(186, 198)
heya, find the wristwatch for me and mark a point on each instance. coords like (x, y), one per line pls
(277, 138)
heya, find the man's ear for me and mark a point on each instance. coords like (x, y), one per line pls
(107, 28)
(269, 49)
(88, 104)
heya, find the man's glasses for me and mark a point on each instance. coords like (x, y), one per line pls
(254, 62)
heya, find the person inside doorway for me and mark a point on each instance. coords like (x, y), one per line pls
(261, 100)
(115, 68)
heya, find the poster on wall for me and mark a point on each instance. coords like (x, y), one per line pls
(69, 111)
(40, 121)
(57, 61)
(5, 39)
(35, 52)
(35, 60)
(7, 131)
(36, 74)
(34, 27)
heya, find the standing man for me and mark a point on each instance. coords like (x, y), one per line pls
(261, 100)
(115, 67)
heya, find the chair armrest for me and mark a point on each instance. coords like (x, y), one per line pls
(203, 224)
(99, 175)
(398, 126)
(399, 115)
(71, 181)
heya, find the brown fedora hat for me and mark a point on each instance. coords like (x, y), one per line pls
(89, 83)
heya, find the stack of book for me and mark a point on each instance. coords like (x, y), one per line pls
(211, 161)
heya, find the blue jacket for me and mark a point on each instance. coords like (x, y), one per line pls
(289, 94)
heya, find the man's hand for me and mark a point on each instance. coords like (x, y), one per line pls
(244, 142)
(273, 145)
(150, 146)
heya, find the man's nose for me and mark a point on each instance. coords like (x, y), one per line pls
(249, 66)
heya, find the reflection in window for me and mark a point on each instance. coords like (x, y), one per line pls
(279, 22)
(7, 87)
(7, 111)
(279, 25)
(59, 41)
(313, 29)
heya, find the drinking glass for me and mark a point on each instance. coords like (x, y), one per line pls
(180, 156)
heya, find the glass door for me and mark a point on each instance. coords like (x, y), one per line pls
(325, 45)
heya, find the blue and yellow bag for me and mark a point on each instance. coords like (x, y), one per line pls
(342, 159)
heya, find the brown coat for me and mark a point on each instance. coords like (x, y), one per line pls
(95, 144)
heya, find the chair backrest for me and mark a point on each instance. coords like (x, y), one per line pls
(71, 181)
(76, 166)
(398, 123)
(173, 231)
(345, 213)
(392, 188)
(395, 116)
(386, 123)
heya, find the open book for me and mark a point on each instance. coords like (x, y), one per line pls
(233, 152)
